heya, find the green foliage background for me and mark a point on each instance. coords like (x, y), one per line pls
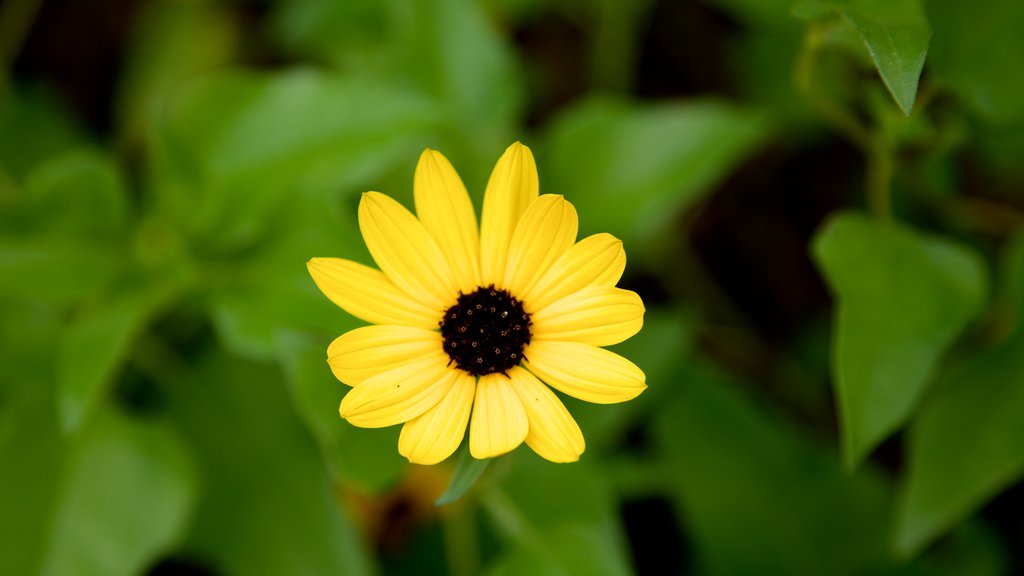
(823, 207)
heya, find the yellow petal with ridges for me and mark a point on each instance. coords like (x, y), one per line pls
(544, 233)
(512, 188)
(586, 372)
(597, 260)
(398, 395)
(406, 252)
(444, 208)
(433, 436)
(597, 315)
(368, 294)
(553, 432)
(499, 422)
(365, 352)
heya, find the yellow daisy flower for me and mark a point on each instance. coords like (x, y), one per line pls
(470, 323)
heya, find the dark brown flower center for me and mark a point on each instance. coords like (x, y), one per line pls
(485, 331)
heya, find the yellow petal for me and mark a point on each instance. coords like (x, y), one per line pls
(365, 352)
(553, 433)
(546, 230)
(598, 315)
(406, 252)
(444, 208)
(433, 436)
(400, 394)
(512, 188)
(586, 372)
(499, 420)
(596, 260)
(367, 294)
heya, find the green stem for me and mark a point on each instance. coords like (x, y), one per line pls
(832, 112)
(879, 178)
(16, 17)
(461, 548)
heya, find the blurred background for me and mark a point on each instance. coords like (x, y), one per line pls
(822, 203)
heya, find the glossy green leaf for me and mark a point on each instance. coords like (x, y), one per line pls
(965, 444)
(896, 34)
(364, 458)
(267, 507)
(126, 498)
(96, 342)
(467, 472)
(758, 497)
(630, 169)
(902, 297)
(237, 147)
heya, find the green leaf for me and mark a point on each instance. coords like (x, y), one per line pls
(965, 445)
(271, 290)
(896, 34)
(95, 343)
(56, 271)
(267, 507)
(467, 473)
(237, 147)
(366, 458)
(126, 497)
(107, 504)
(631, 169)
(976, 45)
(759, 497)
(452, 51)
(169, 43)
(902, 297)
(556, 519)
(33, 127)
(79, 193)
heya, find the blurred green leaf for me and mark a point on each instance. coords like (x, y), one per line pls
(32, 449)
(95, 343)
(558, 519)
(33, 127)
(271, 290)
(350, 34)
(965, 445)
(896, 34)
(365, 458)
(238, 146)
(665, 341)
(58, 271)
(630, 169)
(975, 47)
(902, 297)
(453, 52)
(467, 472)
(78, 193)
(170, 42)
(126, 497)
(267, 507)
(759, 497)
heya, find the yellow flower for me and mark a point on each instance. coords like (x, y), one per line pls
(470, 323)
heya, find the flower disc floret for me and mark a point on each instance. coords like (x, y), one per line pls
(486, 331)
